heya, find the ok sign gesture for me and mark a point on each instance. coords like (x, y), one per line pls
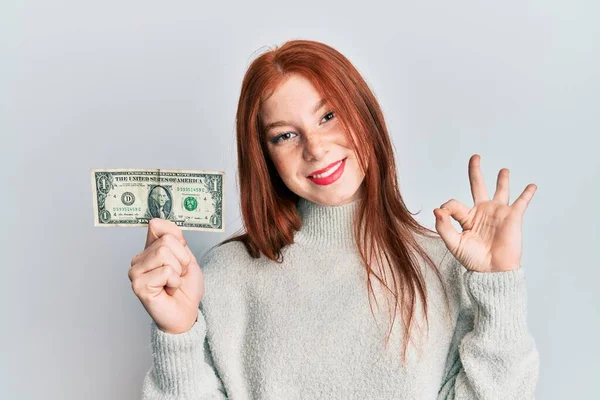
(491, 240)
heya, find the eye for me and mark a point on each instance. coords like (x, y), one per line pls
(279, 137)
(329, 113)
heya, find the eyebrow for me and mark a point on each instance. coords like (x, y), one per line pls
(276, 124)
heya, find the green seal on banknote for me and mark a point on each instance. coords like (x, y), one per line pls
(190, 203)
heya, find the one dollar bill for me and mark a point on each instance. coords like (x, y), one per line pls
(132, 197)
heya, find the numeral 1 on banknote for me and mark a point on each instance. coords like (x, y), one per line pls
(132, 197)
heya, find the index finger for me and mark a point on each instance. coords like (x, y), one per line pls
(158, 227)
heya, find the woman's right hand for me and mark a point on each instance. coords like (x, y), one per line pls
(167, 279)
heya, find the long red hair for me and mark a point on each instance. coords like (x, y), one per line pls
(268, 207)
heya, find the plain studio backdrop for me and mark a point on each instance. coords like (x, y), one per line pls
(141, 84)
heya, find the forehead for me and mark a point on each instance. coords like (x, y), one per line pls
(295, 94)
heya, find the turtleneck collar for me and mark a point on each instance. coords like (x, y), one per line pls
(326, 226)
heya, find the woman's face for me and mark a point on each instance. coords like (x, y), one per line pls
(304, 135)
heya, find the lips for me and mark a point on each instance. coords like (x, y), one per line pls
(320, 171)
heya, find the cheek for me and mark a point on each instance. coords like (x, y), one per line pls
(354, 153)
(277, 160)
(283, 168)
(285, 165)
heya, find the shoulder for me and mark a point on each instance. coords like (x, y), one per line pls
(223, 253)
(451, 270)
(438, 252)
(224, 259)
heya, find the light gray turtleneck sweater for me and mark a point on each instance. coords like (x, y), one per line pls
(303, 329)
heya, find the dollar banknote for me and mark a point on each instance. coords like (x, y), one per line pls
(132, 197)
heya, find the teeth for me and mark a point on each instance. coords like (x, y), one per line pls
(331, 171)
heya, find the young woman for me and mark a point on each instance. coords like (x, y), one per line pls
(284, 310)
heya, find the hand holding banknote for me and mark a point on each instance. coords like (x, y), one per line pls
(166, 278)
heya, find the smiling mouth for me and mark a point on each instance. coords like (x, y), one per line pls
(332, 168)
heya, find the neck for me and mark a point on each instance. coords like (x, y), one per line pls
(326, 226)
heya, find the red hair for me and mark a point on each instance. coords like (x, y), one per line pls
(269, 208)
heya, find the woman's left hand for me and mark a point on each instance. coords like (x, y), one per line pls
(491, 240)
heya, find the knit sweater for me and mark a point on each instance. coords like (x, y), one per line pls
(304, 328)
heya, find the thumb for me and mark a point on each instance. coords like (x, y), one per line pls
(443, 225)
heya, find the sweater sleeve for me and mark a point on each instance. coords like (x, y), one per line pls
(492, 354)
(182, 368)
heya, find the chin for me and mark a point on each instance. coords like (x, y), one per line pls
(331, 197)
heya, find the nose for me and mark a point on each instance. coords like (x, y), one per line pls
(313, 147)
